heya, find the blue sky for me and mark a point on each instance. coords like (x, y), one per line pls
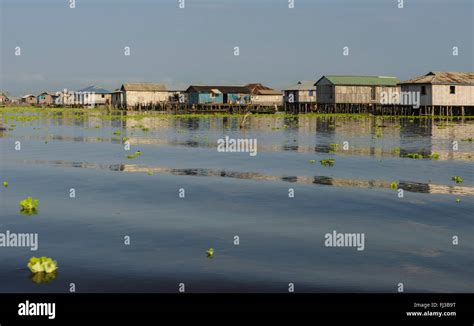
(75, 48)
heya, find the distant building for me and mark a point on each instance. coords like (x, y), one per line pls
(4, 99)
(93, 96)
(263, 95)
(354, 89)
(301, 92)
(218, 94)
(46, 98)
(29, 99)
(443, 88)
(140, 94)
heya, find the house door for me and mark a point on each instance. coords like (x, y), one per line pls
(225, 98)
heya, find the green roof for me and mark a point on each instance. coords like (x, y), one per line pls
(363, 80)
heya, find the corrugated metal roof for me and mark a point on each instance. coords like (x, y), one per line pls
(443, 78)
(94, 89)
(146, 87)
(303, 85)
(223, 89)
(361, 80)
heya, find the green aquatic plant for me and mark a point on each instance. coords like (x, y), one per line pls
(396, 150)
(150, 172)
(5, 184)
(394, 185)
(124, 139)
(137, 153)
(434, 156)
(458, 200)
(42, 265)
(210, 253)
(416, 156)
(145, 129)
(327, 162)
(29, 206)
(457, 179)
(117, 133)
(470, 139)
(312, 161)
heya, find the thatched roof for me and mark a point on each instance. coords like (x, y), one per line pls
(443, 78)
(268, 92)
(144, 87)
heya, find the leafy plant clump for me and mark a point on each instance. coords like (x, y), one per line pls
(458, 200)
(5, 184)
(136, 154)
(470, 139)
(117, 133)
(416, 156)
(396, 150)
(42, 265)
(312, 161)
(394, 185)
(457, 179)
(210, 253)
(29, 206)
(434, 156)
(327, 162)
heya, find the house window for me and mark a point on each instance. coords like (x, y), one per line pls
(103, 96)
(423, 90)
(372, 93)
(452, 89)
(310, 93)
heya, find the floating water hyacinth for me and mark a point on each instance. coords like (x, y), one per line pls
(396, 150)
(457, 179)
(29, 206)
(117, 133)
(458, 200)
(124, 139)
(42, 265)
(327, 162)
(312, 161)
(394, 185)
(434, 156)
(210, 253)
(5, 184)
(415, 156)
(468, 139)
(137, 153)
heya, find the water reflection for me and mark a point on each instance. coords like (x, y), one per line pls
(427, 188)
(368, 136)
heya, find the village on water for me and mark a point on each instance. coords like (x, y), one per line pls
(435, 93)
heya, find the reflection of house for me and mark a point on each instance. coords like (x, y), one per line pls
(302, 92)
(218, 95)
(29, 99)
(47, 98)
(354, 89)
(441, 88)
(94, 95)
(140, 94)
(263, 95)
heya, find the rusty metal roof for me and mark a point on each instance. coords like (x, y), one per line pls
(443, 78)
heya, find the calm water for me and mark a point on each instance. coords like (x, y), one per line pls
(407, 240)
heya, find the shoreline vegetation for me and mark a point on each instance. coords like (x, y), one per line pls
(33, 113)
